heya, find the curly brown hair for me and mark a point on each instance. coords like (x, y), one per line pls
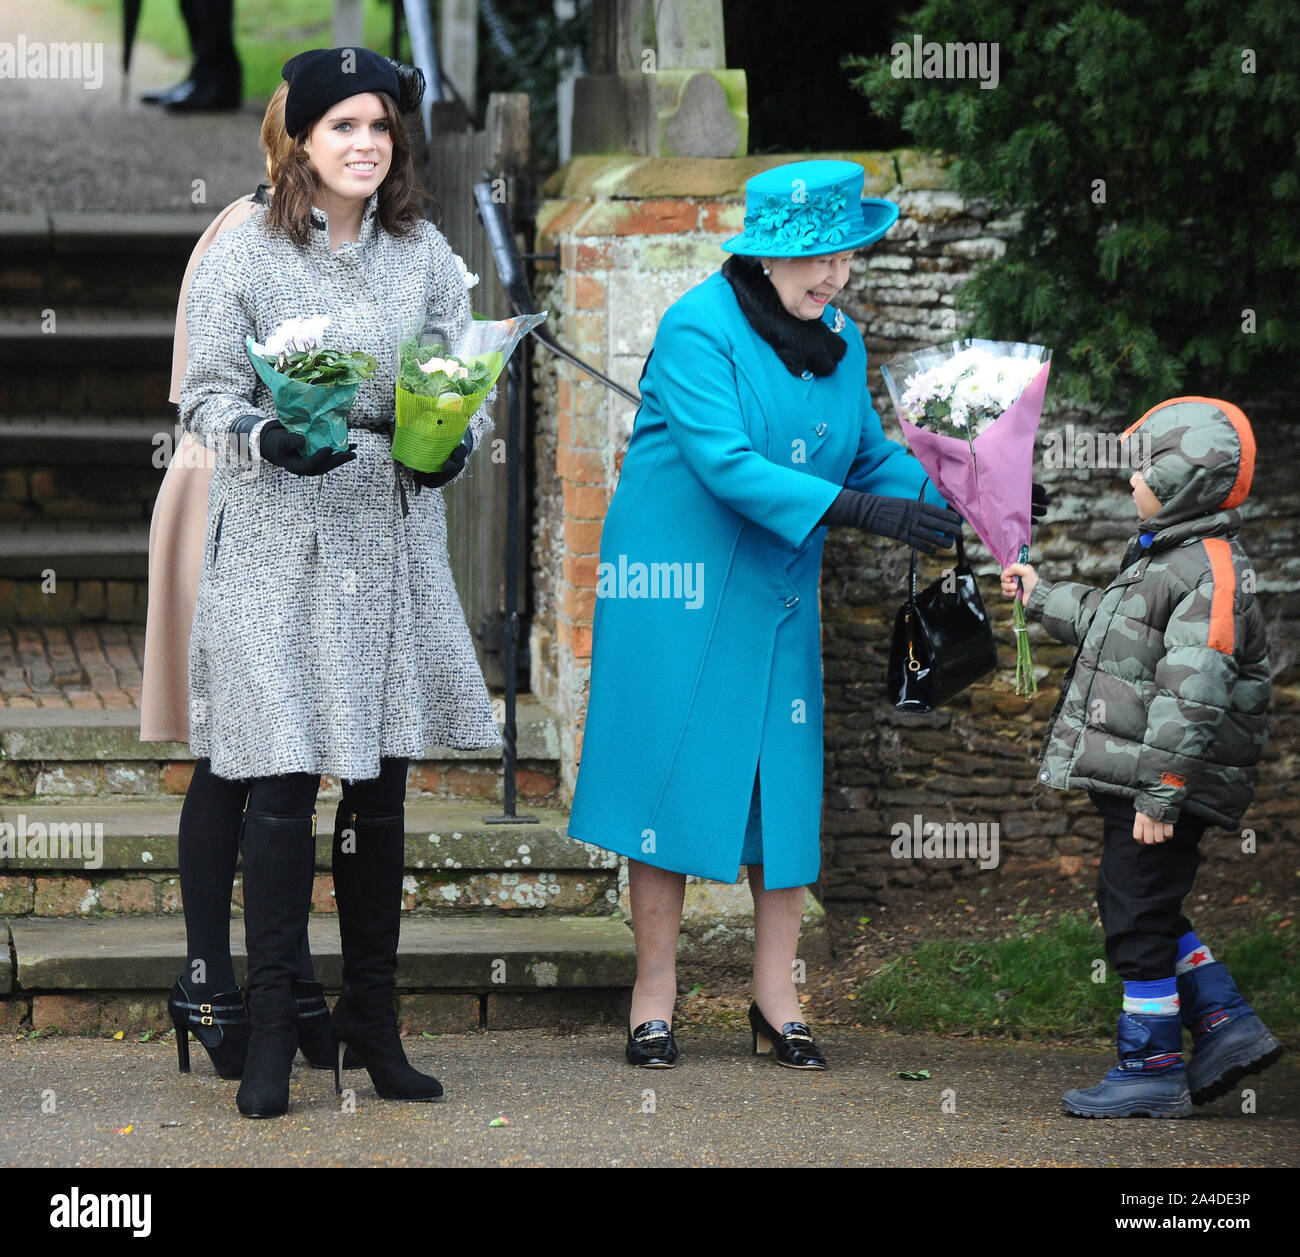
(295, 180)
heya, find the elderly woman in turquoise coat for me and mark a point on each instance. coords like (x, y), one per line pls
(703, 742)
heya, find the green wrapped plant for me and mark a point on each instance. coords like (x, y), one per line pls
(312, 386)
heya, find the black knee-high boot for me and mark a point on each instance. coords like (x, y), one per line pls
(368, 859)
(278, 860)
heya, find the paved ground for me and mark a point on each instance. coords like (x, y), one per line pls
(91, 666)
(82, 147)
(573, 1101)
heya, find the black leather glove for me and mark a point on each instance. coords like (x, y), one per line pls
(925, 527)
(452, 468)
(1039, 499)
(281, 447)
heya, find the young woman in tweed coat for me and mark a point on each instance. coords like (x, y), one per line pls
(328, 637)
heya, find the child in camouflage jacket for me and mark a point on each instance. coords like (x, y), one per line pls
(1162, 719)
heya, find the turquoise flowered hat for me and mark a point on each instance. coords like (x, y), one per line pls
(810, 207)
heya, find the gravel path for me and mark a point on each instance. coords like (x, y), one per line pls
(574, 1102)
(82, 148)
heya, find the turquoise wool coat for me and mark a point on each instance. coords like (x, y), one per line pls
(706, 652)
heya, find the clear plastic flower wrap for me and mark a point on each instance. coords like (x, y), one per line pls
(970, 412)
(440, 389)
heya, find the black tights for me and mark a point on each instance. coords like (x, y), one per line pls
(294, 794)
(208, 848)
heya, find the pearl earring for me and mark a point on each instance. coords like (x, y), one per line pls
(767, 270)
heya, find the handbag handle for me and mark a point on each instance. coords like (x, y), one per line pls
(961, 551)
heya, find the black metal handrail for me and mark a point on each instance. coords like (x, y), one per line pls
(510, 269)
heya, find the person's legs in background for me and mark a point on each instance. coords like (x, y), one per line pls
(215, 80)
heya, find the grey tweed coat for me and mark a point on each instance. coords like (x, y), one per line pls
(327, 631)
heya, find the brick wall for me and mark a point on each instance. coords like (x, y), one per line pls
(633, 236)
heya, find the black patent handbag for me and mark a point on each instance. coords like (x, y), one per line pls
(943, 639)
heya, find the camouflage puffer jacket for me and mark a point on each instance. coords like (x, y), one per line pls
(1166, 701)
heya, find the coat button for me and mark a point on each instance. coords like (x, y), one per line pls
(1044, 776)
(807, 375)
(791, 600)
(820, 429)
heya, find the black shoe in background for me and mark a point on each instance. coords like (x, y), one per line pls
(209, 95)
(163, 95)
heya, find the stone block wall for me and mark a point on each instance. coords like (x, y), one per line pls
(633, 235)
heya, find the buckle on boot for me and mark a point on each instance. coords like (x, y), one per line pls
(205, 1021)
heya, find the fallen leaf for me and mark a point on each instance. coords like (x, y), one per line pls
(123, 1130)
(498, 1121)
(121, 1034)
(914, 1075)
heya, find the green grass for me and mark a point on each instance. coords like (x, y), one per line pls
(266, 34)
(1036, 983)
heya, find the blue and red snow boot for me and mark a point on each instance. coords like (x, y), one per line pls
(1228, 1039)
(1150, 1079)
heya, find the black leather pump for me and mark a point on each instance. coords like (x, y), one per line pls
(652, 1046)
(792, 1046)
(219, 1022)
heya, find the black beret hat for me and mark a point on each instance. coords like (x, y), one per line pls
(324, 76)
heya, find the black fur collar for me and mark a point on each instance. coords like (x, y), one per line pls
(801, 344)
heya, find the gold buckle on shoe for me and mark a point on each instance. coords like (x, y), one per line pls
(205, 1008)
(205, 1021)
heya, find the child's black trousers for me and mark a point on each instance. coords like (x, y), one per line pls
(1140, 890)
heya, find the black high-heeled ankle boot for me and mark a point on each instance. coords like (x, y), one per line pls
(792, 1046)
(368, 891)
(278, 860)
(219, 1022)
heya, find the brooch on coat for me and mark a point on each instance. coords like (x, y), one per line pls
(838, 325)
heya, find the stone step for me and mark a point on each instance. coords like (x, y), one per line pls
(135, 260)
(460, 953)
(139, 835)
(92, 235)
(92, 441)
(91, 976)
(121, 340)
(115, 550)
